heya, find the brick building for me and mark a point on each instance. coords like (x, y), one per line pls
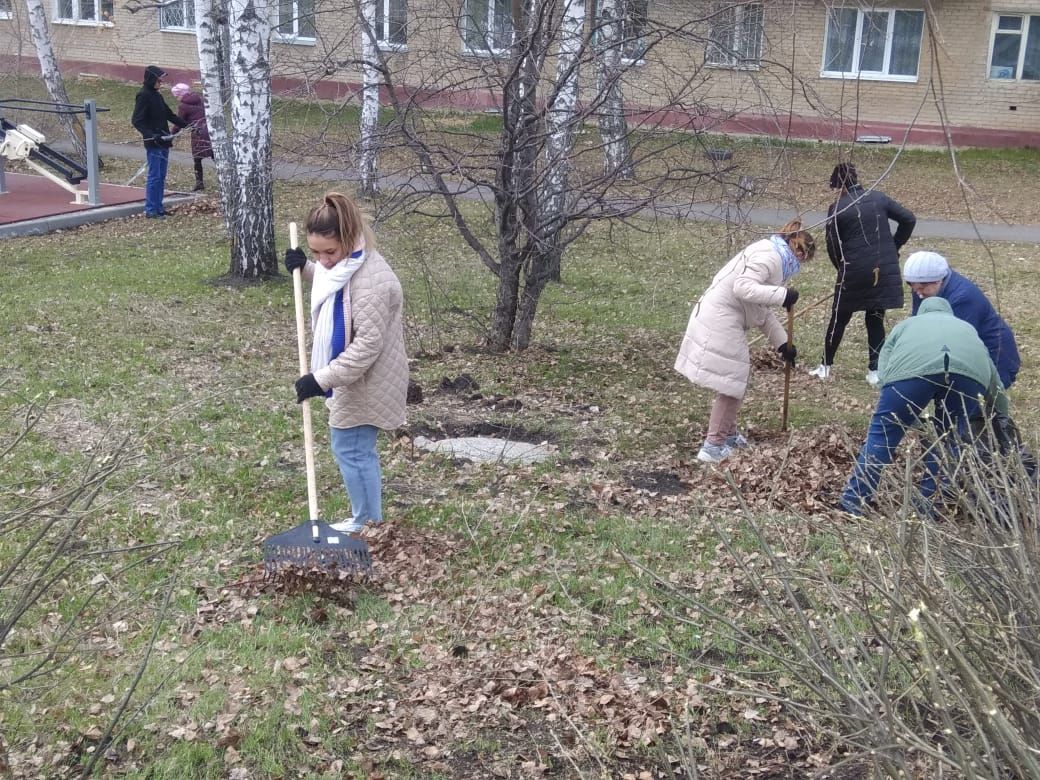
(807, 68)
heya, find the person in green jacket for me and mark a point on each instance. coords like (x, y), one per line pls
(933, 356)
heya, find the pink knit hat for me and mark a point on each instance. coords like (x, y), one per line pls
(180, 90)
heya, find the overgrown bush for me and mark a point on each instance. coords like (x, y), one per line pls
(912, 646)
(61, 587)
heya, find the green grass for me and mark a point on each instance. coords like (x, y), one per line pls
(524, 568)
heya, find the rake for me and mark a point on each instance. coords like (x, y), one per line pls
(787, 369)
(313, 543)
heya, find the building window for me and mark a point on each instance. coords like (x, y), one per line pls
(5, 9)
(83, 11)
(487, 26)
(177, 15)
(390, 23)
(296, 20)
(873, 44)
(1015, 51)
(735, 36)
(634, 24)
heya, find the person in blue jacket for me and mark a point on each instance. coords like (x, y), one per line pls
(929, 275)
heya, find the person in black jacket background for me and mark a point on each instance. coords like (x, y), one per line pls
(151, 119)
(865, 254)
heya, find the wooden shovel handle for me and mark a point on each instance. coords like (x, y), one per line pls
(804, 310)
(301, 346)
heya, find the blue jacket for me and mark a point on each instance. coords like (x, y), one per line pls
(969, 303)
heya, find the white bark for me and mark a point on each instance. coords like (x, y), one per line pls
(252, 252)
(40, 32)
(369, 99)
(560, 116)
(617, 155)
(212, 55)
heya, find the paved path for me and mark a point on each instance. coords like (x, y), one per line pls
(766, 216)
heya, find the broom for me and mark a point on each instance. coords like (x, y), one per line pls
(313, 543)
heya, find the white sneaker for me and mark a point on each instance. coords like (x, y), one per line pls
(737, 441)
(872, 378)
(713, 453)
(821, 371)
(347, 526)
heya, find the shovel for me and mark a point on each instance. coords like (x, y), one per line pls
(313, 543)
(787, 369)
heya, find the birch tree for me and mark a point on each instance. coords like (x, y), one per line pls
(40, 32)
(370, 79)
(613, 128)
(561, 112)
(213, 47)
(241, 150)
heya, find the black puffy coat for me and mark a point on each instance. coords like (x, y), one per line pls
(152, 116)
(863, 250)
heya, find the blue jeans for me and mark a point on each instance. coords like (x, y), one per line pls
(901, 403)
(158, 161)
(358, 461)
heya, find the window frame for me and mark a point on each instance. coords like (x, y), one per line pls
(293, 37)
(734, 62)
(626, 25)
(383, 29)
(485, 51)
(184, 4)
(870, 75)
(97, 21)
(1023, 35)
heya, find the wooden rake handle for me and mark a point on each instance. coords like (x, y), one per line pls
(301, 347)
(787, 370)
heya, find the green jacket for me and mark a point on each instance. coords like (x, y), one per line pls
(935, 342)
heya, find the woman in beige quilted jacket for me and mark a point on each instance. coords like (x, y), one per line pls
(714, 352)
(358, 359)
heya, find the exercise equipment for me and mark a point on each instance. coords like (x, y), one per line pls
(22, 142)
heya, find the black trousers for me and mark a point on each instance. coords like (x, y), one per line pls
(874, 319)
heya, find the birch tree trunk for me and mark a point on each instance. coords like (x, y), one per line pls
(560, 121)
(252, 254)
(613, 129)
(211, 39)
(52, 78)
(369, 99)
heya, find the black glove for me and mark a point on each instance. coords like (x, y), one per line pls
(788, 353)
(294, 258)
(307, 387)
(791, 298)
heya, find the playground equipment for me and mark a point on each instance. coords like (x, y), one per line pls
(22, 142)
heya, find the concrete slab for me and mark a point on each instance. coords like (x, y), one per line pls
(484, 449)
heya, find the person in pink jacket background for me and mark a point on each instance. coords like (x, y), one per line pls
(192, 110)
(714, 352)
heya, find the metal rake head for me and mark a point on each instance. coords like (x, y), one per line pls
(327, 549)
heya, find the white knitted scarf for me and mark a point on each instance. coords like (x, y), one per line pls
(324, 286)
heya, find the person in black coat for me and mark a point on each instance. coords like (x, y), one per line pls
(865, 254)
(151, 119)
